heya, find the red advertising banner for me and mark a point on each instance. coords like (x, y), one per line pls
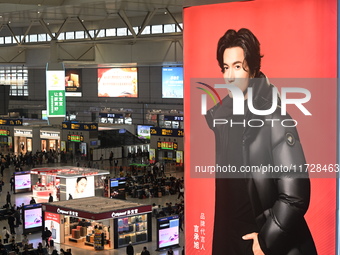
(261, 98)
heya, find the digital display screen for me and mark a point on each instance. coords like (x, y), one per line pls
(143, 132)
(22, 182)
(117, 82)
(172, 82)
(168, 231)
(73, 86)
(33, 218)
(118, 188)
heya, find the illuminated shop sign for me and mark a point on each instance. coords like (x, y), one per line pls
(166, 132)
(22, 132)
(69, 213)
(48, 135)
(124, 213)
(166, 145)
(75, 138)
(4, 132)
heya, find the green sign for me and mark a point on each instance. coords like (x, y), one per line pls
(56, 103)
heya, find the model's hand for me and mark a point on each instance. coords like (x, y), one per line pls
(256, 246)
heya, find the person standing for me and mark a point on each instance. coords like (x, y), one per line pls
(129, 249)
(170, 252)
(5, 234)
(11, 224)
(32, 201)
(46, 234)
(8, 198)
(50, 199)
(11, 181)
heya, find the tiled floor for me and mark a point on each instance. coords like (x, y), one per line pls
(36, 237)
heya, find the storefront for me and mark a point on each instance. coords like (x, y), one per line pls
(98, 223)
(23, 140)
(67, 181)
(50, 139)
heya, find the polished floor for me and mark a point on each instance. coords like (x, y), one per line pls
(35, 238)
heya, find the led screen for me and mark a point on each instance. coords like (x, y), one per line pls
(117, 82)
(168, 231)
(22, 182)
(117, 188)
(80, 187)
(172, 82)
(33, 218)
(73, 84)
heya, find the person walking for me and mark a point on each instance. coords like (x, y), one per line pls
(50, 199)
(129, 249)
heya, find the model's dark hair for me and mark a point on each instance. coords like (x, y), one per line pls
(246, 40)
(79, 178)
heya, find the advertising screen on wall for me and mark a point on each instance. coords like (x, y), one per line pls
(32, 216)
(117, 188)
(55, 93)
(167, 231)
(143, 132)
(264, 110)
(73, 85)
(117, 82)
(172, 82)
(80, 187)
(22, 182)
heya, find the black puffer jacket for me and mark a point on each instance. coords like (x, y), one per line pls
(279, 200)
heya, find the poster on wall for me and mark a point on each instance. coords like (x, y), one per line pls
(172, 82)
(73, 85)
(79, 187)
(255, 88)
(55, 89)
(117, 82)
(52, 222)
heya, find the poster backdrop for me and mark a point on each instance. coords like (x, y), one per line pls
(298, 42)
(80, 187)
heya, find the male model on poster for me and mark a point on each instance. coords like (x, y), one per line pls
(256, 213)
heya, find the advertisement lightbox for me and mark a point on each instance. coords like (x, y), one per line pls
(172, 82)
(118, 188)
(264, 110)
(55, 89)
(143, 132)
(22, 182)
(73, 83)
(117, 82)
(32, 216)
(167, 231)
(79, 187)
(52, 222)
